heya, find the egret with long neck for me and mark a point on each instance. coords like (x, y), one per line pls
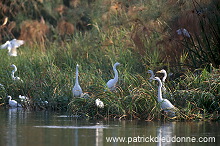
(163, 71)
(13, 73)
(13, 103)
(77, 90)
(165, 104)
(111, 84)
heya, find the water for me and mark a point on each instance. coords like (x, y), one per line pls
(28, 128)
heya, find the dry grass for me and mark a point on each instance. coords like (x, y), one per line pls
(65, 28)
(33, 31)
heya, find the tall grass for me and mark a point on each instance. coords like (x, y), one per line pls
(126, 32)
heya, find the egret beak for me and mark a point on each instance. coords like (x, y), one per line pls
(159, 71)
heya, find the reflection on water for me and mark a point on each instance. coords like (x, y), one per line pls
(99, 134)
(165, 131)
(12, 127)
(25, 128)
(73, 127)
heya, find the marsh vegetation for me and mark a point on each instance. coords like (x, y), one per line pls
(95, 34)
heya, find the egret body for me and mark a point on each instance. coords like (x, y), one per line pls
(77, 90)
(111, 84)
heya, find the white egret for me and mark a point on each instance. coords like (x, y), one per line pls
(77, 90)
(23, 98)
(13, 103)
(99, 103)
(13, 72)
(163, 79)
(12, 46)
(111, 84)
(163, 71)
(152, 75)
(165, 104)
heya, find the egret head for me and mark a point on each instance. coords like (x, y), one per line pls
(12, 65)
(152, 75)
(150, 71)
(162, 71)
(9, 97)
(77, 66)
(116, 64)
(165, 74)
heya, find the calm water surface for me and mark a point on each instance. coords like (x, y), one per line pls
(28, 128)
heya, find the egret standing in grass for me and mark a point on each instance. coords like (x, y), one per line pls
(152, 74)
(165, 104)
(111, 84)
(163, 71)
(13, 103)
(77, 90)
(13, 74)
(12, 46)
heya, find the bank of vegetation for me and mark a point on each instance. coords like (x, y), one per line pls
(95, 34)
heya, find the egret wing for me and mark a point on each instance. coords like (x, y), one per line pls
(5, 45)
(16, 43)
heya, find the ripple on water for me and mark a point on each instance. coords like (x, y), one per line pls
(74, 127)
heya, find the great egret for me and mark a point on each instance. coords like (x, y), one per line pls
(99, 103)
(13, 74)
(77, 90)
(12, 46)
(152, 74)
(165, 104)
(111, 84)
(163, 79)
(13, 103)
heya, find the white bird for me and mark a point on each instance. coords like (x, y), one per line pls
(152, 75)
(111, 84)
(13, 74)
(77, 90)
(99, 103)
(163, 79)
(13, 103)
(23, 98)
(165, 104)
(25, 101)
(12, 46)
